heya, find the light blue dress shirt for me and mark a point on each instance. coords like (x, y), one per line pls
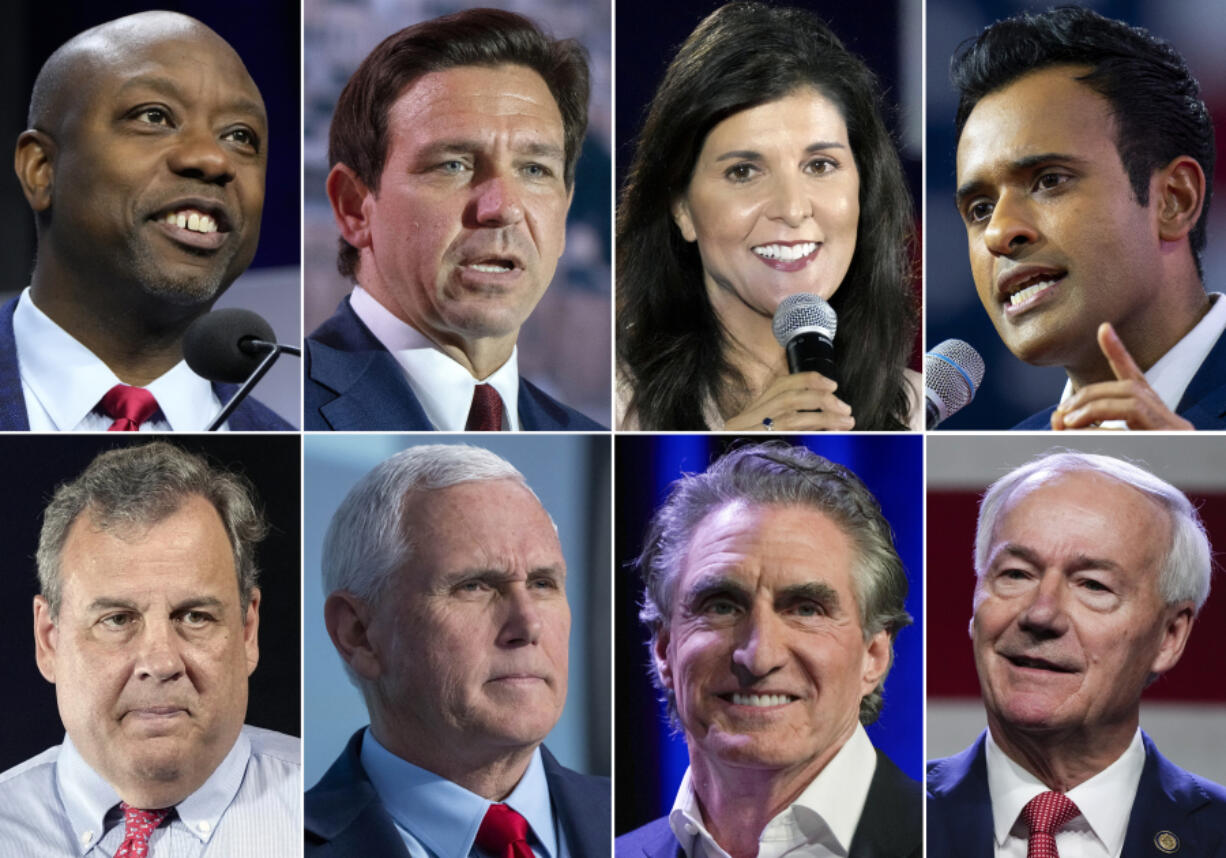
(55, 806)
(437, 818)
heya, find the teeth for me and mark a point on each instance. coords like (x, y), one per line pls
(760, 699)
(785, 252)
(193, 220)
(490, 268)
(1029, 292)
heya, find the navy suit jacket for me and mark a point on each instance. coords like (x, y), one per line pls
(250, 416)
(345, 818)
(890, 824)
(353, 382)
(1203, 404)
(1169, 801)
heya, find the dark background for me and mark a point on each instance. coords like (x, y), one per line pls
(34, 465)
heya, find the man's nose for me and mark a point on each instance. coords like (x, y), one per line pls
(158, 654)
(522, 622)
(790, 200)
(498, 201)
(198, 154)
(1011, 226)
(761, 648)
(1044, 614)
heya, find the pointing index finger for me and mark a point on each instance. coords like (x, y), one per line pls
(1122, 364)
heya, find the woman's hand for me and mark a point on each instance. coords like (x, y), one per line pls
(802, 402)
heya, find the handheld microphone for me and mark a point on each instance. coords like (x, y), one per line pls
(953, 372)
(804, 325)
(235, 346)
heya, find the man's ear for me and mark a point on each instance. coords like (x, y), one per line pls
(1178, 626)
(1180, 189)
(684, 220)
(659, 655)
(348, 619)
(34, 163)
(46, 638)
(251, 631)
(350, 200)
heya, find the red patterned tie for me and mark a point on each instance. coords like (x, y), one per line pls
(503, 833)
(1046, 814)
(137, 826)
(130, 406)
(485, 415)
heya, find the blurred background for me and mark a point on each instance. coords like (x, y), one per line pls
(651, 759)
(1185, 710)
(565, 345)
(1013, 390)
(265, 33)
(570, 475)
(886, 34)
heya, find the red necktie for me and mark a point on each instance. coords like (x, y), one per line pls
(503, 833)
(1046, 814)
(137, 826)
(485, 415)
(129, 406)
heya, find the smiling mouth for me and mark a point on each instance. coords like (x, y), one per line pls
(760, 701)
(786, 252)
(1037, 664)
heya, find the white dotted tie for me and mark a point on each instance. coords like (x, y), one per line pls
(1046, 814)
(138, 825)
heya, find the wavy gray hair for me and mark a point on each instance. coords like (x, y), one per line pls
(778, 473)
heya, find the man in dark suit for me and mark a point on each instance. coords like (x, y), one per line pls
(447, 604)
(774, 594)
(453, 151)
(144, 164)
(1064, 113)
(1090, 573)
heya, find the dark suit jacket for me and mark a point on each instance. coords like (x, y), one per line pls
(250, 416)
(345, 818)
(352, 382)
(1203, 403)
(1169, 800)
(889, 827)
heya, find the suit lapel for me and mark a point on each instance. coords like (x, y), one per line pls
(343, 815)
(576, 808)
(891, 823)
(1204, 402)
(959, 805)
(13, 414)
(1166, 796)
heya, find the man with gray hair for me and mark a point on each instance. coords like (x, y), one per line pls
(447, 603)
(774, 594)
(1090, 572)
(147, 624)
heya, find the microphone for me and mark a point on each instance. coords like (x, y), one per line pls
(804, 325)
(235, 346)
(953, 372)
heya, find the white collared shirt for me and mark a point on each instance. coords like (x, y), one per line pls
(442, 386)
(437, 818)
(820, 823)
(1105, 802)
(1173, 372)
(63, 382)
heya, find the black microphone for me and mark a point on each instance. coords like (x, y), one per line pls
(235, 346)
(953, 372)
(804, 325)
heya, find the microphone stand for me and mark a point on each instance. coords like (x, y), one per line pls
(251, 345)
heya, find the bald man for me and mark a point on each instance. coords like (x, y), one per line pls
(144, 165)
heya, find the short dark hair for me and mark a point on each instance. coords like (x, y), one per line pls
(475, 37)
(671, 345)
(777, 473)
(1159, 113)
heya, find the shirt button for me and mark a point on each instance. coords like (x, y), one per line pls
(87, 836)
(204, 827)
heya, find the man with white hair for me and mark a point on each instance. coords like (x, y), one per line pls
(447, 603)
(1091, 572)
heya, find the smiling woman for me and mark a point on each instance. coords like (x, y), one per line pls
(762, 162)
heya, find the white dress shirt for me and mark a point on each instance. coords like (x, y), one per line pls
(1105, 802)
(55, 806)
(442, 386)
(1173, 372)
(820, 823)
(63, 382)
(437, 818)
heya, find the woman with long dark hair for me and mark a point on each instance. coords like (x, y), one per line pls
(763, 170)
